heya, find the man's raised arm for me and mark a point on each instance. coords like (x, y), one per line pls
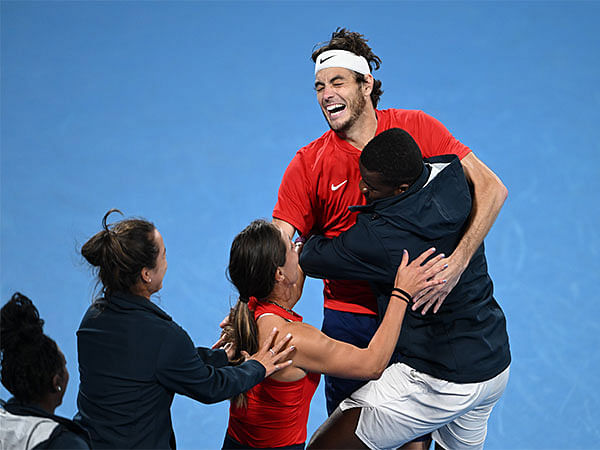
(489, 196)
(286, 227)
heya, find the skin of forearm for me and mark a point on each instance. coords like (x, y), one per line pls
(318, 353)
(285, 226)
(489, 196)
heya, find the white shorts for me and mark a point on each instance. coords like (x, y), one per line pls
(404, 404)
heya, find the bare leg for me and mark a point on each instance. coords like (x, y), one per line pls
(338, 431)
(420, 445)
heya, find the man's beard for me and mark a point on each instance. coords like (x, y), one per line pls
(357, 106)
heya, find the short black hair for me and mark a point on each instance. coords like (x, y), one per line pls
(395, 155)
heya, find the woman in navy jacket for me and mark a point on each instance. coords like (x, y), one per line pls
(133, 357)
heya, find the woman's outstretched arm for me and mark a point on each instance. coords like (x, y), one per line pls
(316, 352)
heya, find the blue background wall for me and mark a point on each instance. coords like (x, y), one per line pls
(187, 113)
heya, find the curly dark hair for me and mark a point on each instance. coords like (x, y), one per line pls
(342, 39)
(30, 359)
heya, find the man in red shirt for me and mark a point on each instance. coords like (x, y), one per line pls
(321, 182)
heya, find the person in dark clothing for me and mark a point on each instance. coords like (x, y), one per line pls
(133, 357)
(452, 367)
(34, 371)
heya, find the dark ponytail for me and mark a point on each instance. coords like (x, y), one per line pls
(241, 331)
(120, 251)
(255, 255)
(30, 359)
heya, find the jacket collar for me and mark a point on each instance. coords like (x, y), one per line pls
(126, 300)
(14, 406)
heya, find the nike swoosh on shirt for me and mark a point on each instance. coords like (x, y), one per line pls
(325, 59)
(336, 187)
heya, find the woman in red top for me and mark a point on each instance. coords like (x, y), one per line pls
(264, 268)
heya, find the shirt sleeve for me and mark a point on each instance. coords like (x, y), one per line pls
(295, 196)
(181, 370)
(434, 139)
(356, 254)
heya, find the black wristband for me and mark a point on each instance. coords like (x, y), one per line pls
(408, 296)
(400, 297)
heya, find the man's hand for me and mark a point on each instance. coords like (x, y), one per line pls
(435, 296)
(299, 244)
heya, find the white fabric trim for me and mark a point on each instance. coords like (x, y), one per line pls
(434, 170)
(24, 432)
(342, 58)
(272, 314)
(266, 314)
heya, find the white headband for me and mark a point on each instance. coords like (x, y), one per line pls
(342, 58)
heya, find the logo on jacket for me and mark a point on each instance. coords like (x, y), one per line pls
(335, 187)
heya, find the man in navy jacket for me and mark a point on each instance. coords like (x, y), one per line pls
(451, 367)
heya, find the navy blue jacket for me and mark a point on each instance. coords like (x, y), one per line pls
(466, 341)
(66, 435)
(132, 359)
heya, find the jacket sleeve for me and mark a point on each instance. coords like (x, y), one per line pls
(356, 254)
(215, 358)
(181, 370)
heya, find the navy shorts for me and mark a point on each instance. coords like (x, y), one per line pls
(356, 329)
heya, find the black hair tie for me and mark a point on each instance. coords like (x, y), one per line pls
(400, 297)
(403, 292)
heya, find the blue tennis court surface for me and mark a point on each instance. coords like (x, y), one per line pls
(187, 113)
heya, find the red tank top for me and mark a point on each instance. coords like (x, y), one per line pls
(277, 411)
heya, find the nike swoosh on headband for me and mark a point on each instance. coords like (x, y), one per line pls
(325, 59)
